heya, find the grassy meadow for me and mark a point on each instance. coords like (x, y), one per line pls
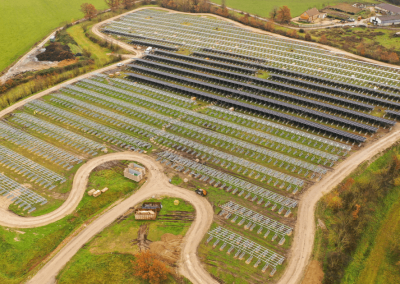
(25, 22)
(361, 242)
(263, 7)
(107, 257)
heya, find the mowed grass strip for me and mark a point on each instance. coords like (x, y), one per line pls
(98, 52)
(376, 266)
(25, 22)
(371, 261)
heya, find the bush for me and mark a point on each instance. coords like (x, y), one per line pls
(149, 267)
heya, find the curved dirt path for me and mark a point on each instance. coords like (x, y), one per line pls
(303, 242)
(157, 184)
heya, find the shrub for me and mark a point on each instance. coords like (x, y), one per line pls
(149, 267)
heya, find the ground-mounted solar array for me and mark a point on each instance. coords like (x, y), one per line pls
(258, 118)
(274, 115)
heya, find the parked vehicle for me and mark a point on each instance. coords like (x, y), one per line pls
(201, 192)
(148, 50)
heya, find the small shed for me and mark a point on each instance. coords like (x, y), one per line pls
(133, 174)
(137, 167)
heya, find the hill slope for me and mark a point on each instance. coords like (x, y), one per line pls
(361, 242)
(24, 22)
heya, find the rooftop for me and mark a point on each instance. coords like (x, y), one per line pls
(389, 17)
(389, 7)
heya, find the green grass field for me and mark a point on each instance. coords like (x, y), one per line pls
(24, 250)
(263, 7)
(107, 258)
(372, 260)
(25, 22)
(98, 52)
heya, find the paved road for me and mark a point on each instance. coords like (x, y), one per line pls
(157, 184)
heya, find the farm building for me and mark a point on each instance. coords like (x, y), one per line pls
(385, 20)
(388, 9)
(135, 172)
(311, 15)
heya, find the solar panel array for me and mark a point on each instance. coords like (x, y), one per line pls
(275, 104)
(244, 247)
(103, 132)
(253, 220)
(28, 168)
(270, 114)
(37, 146)
(168, 31)
(60, 134)
(19, 194)
(257, 135)
(229, 182)
(263, 82)
(278, 129)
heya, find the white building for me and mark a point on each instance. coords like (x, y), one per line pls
(385, 20)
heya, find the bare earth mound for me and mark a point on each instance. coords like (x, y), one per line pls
(56, 52)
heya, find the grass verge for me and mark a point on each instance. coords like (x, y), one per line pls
(24, 250)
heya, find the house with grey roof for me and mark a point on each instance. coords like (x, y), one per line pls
(387, 20)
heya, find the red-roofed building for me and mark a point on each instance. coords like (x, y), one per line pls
(311, 15)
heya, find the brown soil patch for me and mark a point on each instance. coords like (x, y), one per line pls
(345, 7)
(142, 241)
(67, 62)
(56, 52)
(108, 165)
(314, 273)
(169, 248)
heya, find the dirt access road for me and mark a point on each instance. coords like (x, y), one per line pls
(303, 242)
(157, 184)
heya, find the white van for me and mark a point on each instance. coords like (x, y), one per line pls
(148, 50)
